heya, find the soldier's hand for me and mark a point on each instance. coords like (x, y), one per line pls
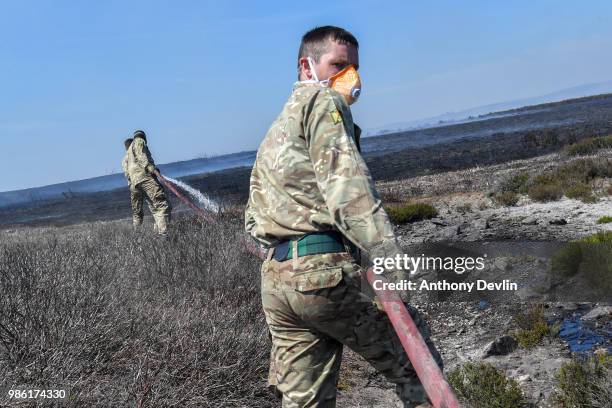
(156, 172)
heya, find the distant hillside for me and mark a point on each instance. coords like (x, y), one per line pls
(476, 113)
(70, 189)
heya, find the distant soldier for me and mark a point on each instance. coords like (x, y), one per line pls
(141, 173)
(312, 201)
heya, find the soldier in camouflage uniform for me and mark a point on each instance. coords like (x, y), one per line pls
(141, 173)
(309, 180)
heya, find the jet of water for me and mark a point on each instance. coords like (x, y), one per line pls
(202, 199)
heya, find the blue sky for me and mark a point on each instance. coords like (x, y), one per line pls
(205, 78)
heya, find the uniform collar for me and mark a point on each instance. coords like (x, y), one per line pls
(304, 84)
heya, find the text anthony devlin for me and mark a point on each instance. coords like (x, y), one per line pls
(505, 285)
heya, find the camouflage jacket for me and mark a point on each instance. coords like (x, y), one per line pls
(309, 176)
(140, 164)
(124, 166)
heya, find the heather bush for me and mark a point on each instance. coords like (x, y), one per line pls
(412, 212)
(126, 318)
(484, 386)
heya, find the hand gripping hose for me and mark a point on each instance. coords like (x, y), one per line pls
(438, 390)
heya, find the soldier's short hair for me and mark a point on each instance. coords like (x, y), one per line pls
(316, 41)
(127, 142)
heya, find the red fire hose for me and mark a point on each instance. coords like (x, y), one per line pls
(438, 390)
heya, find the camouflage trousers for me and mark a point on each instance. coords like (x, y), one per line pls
(314, 305)
(154, 194)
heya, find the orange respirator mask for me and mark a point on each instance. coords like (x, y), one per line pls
(346, 82)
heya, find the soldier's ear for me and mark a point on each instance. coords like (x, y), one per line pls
(304, 69)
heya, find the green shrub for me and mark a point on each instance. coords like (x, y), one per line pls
(411, 212)
(578, 191)
(584, 384)
(585, 170)
(601, 237)
(507, 198)
(533, 327)
(484, 386)
(588, 146)
(591, 199)
(464, 208)
(566, 261)
(516, 184)
(571, 179)
(597, 264)
(592, 255)
(605, 219)
(545, 192)
(597, 260)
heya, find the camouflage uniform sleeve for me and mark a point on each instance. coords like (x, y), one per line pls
(142, 155)
(257, 228)
(343, 177)
(124, 165)
(250, 223)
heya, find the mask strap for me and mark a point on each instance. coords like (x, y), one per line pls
(311, 65)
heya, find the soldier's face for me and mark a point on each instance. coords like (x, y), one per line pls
(337, 57)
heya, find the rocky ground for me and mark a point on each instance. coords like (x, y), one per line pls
(520, 240)
(474, 217)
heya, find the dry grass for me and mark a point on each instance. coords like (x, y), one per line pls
(130, 319)
(507, 198)
(544, 191)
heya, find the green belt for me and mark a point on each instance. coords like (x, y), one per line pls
(311, 244)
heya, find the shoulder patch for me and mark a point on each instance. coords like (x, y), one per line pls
(336, 117)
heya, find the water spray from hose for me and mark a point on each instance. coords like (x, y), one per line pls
(202, 199)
